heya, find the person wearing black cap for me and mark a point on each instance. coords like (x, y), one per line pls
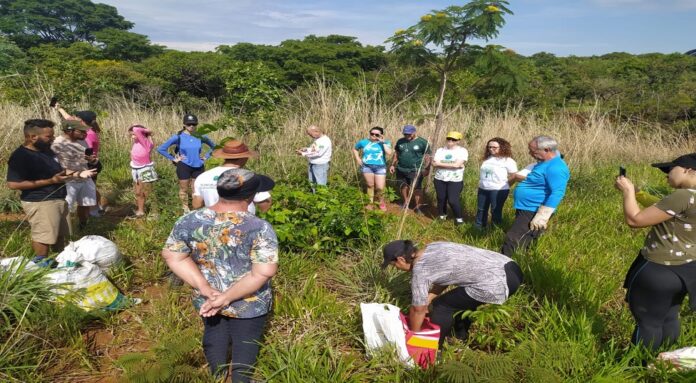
(228, 256)
(664, 271)
(480, 276)
(187, 157)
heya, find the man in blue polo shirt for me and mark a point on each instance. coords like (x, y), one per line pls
(538, 195)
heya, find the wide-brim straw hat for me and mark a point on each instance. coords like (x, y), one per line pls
(234, 149)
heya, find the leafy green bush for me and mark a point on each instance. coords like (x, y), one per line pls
(329, 221)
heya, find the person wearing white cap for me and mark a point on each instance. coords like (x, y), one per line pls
(448, 163)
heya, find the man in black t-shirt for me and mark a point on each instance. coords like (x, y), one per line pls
(34, 170)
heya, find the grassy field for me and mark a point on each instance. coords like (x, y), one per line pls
(568, 322)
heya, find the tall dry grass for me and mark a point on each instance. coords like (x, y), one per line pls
(347, 115)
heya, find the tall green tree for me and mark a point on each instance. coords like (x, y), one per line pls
(441, 40)
(253, 95)
(32, 22)
(117, 44)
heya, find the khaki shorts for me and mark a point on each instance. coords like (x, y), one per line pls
(48, 220)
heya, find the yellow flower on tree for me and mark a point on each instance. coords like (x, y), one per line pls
(440, 15)
(417, 43)
(426, 17)
(492, 9)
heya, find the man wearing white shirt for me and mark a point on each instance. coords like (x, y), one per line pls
(236, 154)
(319, 156)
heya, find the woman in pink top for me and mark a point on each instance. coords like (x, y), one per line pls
(142, 168)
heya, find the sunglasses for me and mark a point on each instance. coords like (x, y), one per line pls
(452, 139)
(375, 134)
(191, 125)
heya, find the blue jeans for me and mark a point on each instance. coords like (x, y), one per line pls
(223, 336)
(318, 173)
(495, 199)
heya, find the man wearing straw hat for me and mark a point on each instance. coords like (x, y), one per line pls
(33, 169)
(236, 154)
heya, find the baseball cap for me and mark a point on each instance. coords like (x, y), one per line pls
(454, 135)
(409, 129)
(238, 184)
(87, 116)
(395, 249)
(74, 125)
(686, 161)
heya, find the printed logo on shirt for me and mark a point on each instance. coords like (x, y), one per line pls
(448, 157)
(416, 147)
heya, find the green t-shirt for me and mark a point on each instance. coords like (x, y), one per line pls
(673, 242)
(411, 153)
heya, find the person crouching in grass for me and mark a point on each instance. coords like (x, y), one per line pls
(228, 256)
(480, 276)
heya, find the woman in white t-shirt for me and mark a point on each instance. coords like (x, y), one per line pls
(494, 186)
(448, 163)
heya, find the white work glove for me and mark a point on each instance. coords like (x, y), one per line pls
(541, 219)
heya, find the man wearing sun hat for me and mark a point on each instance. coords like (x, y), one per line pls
(228, 256)
(236, 154)
(411, 163)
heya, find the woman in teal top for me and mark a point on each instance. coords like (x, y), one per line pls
(373, 164)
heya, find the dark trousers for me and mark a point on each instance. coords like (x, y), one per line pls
(449, 192)
(493, 200)
(655, 294)
(520, 235)
(447, 308)
(222, 334)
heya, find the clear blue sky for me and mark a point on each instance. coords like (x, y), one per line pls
(562, 27)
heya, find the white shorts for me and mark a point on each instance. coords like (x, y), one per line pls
(81, 193)
(145, 173)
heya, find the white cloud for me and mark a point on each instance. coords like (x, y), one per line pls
(189, 46)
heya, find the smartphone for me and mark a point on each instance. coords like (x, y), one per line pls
(53, 102)
(622, 171)
(89, 151)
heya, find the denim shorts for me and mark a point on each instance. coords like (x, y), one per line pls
(379, 170)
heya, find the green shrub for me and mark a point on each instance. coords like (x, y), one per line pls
(330, 221)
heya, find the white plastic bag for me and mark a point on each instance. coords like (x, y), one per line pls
(85, 285)
(93, 249)
(682, 359)
(12, 264)
(382, 326)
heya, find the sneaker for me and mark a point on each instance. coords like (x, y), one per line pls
(383, 206)
(458, 221)
(442, 217)
(43, 261)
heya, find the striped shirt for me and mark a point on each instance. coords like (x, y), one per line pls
(480, 272)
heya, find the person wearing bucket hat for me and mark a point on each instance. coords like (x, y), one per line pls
(228, 256)
(235, 155)
(448, 163)
(188, 156)
(664, 271)
(497, 169)
(411, 163)
(480, 276)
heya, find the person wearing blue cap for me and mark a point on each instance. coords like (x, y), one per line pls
(411, 163)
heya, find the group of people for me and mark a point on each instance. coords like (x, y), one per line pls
(228, 255)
